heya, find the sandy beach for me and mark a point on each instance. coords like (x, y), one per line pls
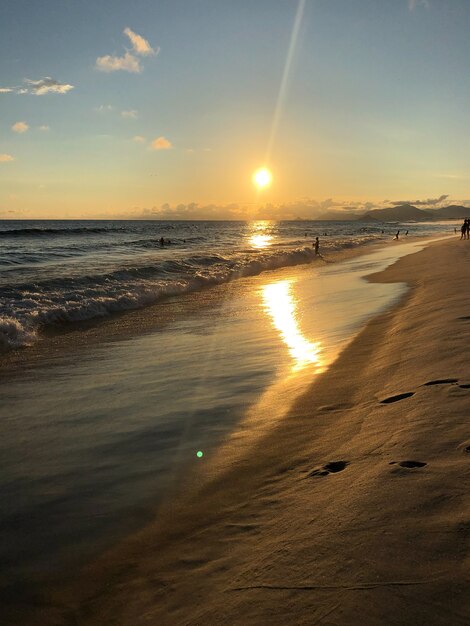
(355, 509)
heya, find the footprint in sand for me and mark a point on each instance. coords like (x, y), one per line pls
(333, 467)
(400, 396)
(408, 394)
(409, 464)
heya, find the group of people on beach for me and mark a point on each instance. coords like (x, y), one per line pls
(465, 229)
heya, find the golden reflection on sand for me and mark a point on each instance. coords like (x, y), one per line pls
(280, 304)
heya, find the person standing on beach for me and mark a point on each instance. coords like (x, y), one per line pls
(316, 245)
(463, 230)
(397, 235)
(467, 230)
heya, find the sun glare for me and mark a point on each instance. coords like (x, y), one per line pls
(262, 178)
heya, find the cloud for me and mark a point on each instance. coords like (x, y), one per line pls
(6, 158)
(44, 128)
(138, 139)
(161, 143)
(39, 87)
(20, 127)
(412, 4)
(45, 85)
(140, 45)
(126, 63)
(427, 202)
(132, 114)
(104, 108)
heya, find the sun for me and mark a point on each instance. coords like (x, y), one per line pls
(262, 178)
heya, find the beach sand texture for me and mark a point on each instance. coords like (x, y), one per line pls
(354, 510)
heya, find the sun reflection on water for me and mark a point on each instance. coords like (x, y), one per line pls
(280, 304)
(260, 241)
(260, 236)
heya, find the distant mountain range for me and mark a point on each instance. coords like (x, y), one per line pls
(400, 213)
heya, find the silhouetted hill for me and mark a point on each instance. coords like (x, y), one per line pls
(453, 211)
(400, 213)
(338, 216)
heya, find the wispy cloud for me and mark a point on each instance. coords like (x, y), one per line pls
(46, 85)
(412, 4)
(104, 108)
(161, 143)
(6, 158)
(140, 45)
(451, 176)
(126, 63)
(139, 139)
(39, 87)
(426, 202)
(129, 62)
(44, 128)
(20, 127)
(132, 114)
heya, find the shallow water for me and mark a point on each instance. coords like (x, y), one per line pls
(60, 272)
(91, 442)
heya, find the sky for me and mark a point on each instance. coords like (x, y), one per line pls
(165, 108)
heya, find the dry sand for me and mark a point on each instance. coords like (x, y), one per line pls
(379, 536)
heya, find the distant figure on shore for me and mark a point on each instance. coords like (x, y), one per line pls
(455, 231)
(162, 241)
(406, 233)
(467, 230)
(316, 245)
(463, 230)
(397, 235)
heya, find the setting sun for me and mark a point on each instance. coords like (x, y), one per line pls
(262, 178)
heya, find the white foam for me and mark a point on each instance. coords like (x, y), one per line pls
(13, 334)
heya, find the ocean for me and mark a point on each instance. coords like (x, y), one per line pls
(59, 272)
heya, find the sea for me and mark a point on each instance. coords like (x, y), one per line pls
(136, 354)
(60, 272)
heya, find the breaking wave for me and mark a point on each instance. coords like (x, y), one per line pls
(27, 308)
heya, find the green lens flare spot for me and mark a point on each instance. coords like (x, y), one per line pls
(199, 454)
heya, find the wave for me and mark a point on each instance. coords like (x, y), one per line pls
(41, 232)
(15, 334)
(31, 307)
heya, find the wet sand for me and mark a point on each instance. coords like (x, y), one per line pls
(353, 509)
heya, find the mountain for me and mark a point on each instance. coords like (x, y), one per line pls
(338, 216)
(454, 211)
(400, 213)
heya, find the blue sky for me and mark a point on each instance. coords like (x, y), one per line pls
(375, 106)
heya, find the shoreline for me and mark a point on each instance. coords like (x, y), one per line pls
(58, 340)
(285, 534)
(140, 438)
